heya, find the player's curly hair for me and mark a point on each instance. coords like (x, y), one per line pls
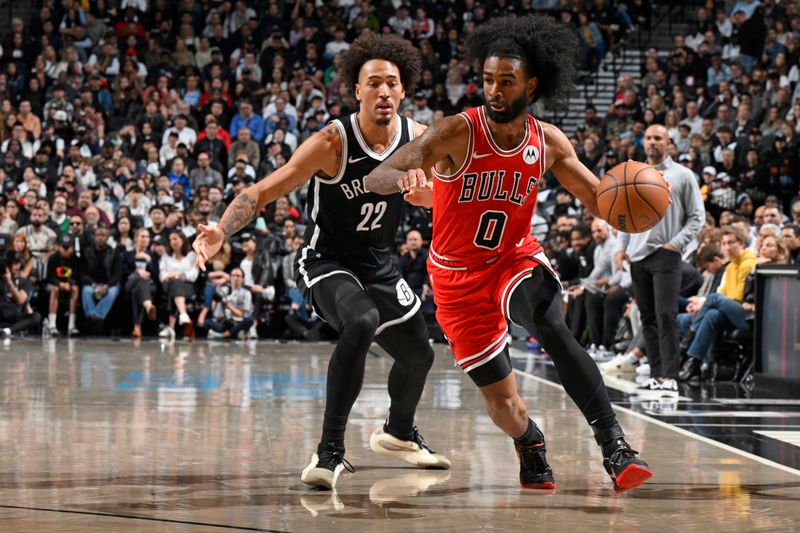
(392, 48)
(546, 47)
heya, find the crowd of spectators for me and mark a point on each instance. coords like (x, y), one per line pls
(126, 123)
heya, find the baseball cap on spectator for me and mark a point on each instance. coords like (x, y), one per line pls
(420, 95)
(684, 158)
(215, 50)
(94, 186)
(710, 170)
(247, 236)
(66, 240)
(158, 239)
(724, 177)
(130, 52)
(235, 180)
(60, 115)
(9, 185)
(297, 65)
(242, 161)
(611, 153)
(472, 88)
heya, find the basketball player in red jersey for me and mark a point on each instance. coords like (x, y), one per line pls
(485, 266)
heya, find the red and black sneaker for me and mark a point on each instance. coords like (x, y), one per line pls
(534, 472)
(621, 461)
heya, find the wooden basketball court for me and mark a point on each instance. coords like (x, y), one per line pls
(98, 435)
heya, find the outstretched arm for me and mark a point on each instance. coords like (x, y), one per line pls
(439, 142)
(320, 153)
(571, 173)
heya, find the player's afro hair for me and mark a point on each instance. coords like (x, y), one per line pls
(392, 48)
(546, 48)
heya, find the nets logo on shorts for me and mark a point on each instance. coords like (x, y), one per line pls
(531, 155)
(404, 293)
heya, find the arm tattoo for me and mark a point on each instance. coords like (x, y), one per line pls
(383, 179)
(240, 212)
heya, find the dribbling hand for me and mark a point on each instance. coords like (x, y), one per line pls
(207, 244)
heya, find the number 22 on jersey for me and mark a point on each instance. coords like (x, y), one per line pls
(371, 212)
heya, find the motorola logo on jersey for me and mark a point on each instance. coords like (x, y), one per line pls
(490, 185)
(530, 155)
(404, 293)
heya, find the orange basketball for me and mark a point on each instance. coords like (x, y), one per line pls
(633, 197)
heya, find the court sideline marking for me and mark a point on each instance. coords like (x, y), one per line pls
(673, 428)
(138, 517)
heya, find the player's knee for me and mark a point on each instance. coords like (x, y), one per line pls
(364, 325)
(504, 405)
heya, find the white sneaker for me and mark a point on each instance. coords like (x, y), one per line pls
(253, 333)
(414, 451)
(49, 330)
(652, 389)
(183, 318)
(324, 471)
(6, 332)
(621, 363)
(73, 331)
(167, 333)
(215, 334)
(643, 369)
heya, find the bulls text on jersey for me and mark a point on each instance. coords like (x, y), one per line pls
(490, 185)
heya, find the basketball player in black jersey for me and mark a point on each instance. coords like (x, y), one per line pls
(345, 270)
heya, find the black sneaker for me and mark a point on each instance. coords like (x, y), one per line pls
(534, 472)
(626, 470)
(325, 466)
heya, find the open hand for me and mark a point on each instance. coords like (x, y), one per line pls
(207, 244)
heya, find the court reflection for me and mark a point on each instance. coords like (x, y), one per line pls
(217, 433)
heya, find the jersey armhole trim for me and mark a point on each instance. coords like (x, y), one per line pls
(543, 147)
(468, 157)
(344, 154)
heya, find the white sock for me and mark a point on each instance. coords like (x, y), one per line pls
(71, 321)
(631, 357)
(51, 319)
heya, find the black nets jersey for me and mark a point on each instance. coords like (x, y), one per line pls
(347, 223)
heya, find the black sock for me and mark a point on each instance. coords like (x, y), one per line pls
(532, 435)
(605, 422)
(400, 430)
(333, 429)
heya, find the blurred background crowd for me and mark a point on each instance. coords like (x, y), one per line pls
(126, 123)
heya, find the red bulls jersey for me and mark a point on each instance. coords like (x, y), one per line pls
(485, 208)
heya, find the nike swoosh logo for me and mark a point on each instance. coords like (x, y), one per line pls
(520, 242)
(356, 160)
(476, 155)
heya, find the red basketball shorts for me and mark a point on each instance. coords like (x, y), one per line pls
(472, 305)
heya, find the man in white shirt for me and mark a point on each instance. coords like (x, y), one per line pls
(186, 135)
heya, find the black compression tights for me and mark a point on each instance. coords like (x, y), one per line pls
(353, 313)
(536, 305)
